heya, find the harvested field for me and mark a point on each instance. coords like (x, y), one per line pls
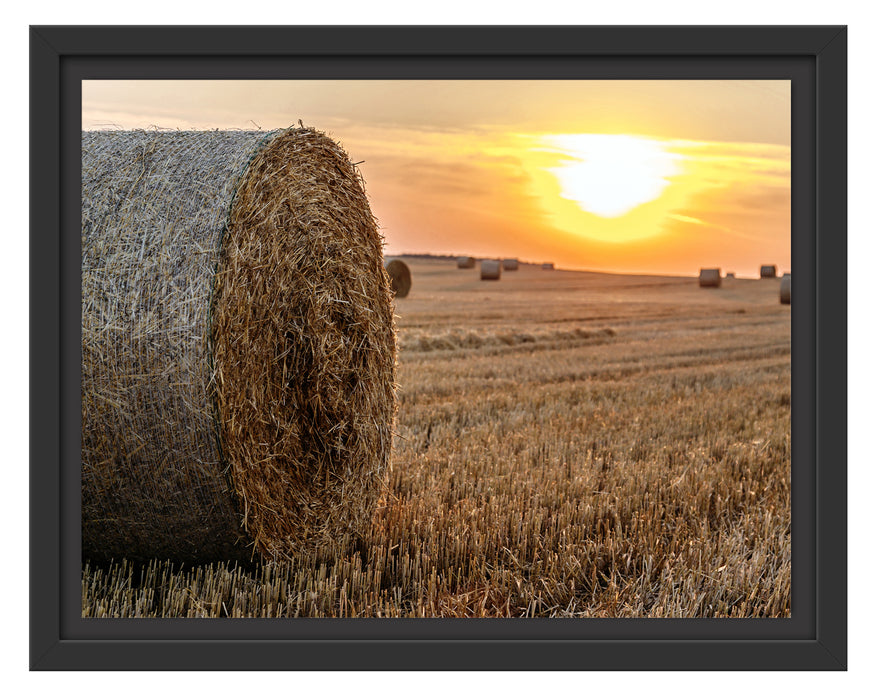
(568, 445)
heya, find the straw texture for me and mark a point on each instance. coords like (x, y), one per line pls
(710, 277)
(238, 345)
(399, 277)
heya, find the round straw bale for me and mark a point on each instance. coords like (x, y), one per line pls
(710, 277)
(730, 276)
(768, 271)
(511, 264)
(399, 277)
(547, 266)
(238, 346)
(786, 289)
(490, 270)
(465, 262)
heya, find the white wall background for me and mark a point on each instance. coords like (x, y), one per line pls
(864, 253)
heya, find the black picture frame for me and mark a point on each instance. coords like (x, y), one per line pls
(812, 57)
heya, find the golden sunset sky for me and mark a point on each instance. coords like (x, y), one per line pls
(626, 176)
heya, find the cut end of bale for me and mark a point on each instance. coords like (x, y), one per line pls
(304, 347)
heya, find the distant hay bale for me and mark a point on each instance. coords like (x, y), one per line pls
(729, 276)
(465, 262)
(547, 266)
(238, 346)
(510, 264)
(399, 277)
(710, 277)
(490, 270)
(768, 271)
(786, 289)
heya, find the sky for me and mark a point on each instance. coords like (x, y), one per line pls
(660, 177)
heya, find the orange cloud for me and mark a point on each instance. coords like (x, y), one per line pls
(701, 175)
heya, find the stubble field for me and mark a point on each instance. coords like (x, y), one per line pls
(569, 444)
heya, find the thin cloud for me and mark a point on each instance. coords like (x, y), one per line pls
(688, 219)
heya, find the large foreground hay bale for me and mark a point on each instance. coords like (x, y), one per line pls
(710, 277)
(511, 264)
(490, 270)
(399, 277)
(465, 262)
(786, 289)
(238, 345)
(768, 271)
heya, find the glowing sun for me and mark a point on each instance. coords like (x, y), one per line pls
(611, 174)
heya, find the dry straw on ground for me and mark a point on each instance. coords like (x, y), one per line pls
(767, 271)
(399, 277)
(786, 290)
(465, 262)
(511, 264)
(490, 270)
(628, 454)
(238, 345)
(710, 277)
